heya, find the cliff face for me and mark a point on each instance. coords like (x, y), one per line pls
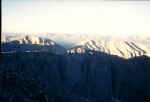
(84, 77)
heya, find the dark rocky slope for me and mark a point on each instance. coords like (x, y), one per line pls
(88, 77)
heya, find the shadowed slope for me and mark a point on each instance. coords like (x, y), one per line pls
(88, 77)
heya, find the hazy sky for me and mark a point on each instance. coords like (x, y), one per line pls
(111, 17)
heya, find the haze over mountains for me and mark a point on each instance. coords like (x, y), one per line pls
(123, 46)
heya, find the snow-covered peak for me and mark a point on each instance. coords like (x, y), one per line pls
(33, 43)
(120, 47)
(30, 39)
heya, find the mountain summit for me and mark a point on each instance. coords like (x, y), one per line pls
(36, 40)
(32, 43)
(122, 48)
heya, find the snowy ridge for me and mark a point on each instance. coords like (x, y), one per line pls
(32, 43)
(122, 48)
(36, 40)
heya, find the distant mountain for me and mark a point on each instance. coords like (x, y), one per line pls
(32, 43)
(63, 39)
(7, 37)
(123, 46)
(70, 40)
(126, 48)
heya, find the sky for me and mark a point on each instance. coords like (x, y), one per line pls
(91, 17)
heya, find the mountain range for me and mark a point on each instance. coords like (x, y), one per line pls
(126, 47)
(90, 69)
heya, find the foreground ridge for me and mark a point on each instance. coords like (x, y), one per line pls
(99, 77)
